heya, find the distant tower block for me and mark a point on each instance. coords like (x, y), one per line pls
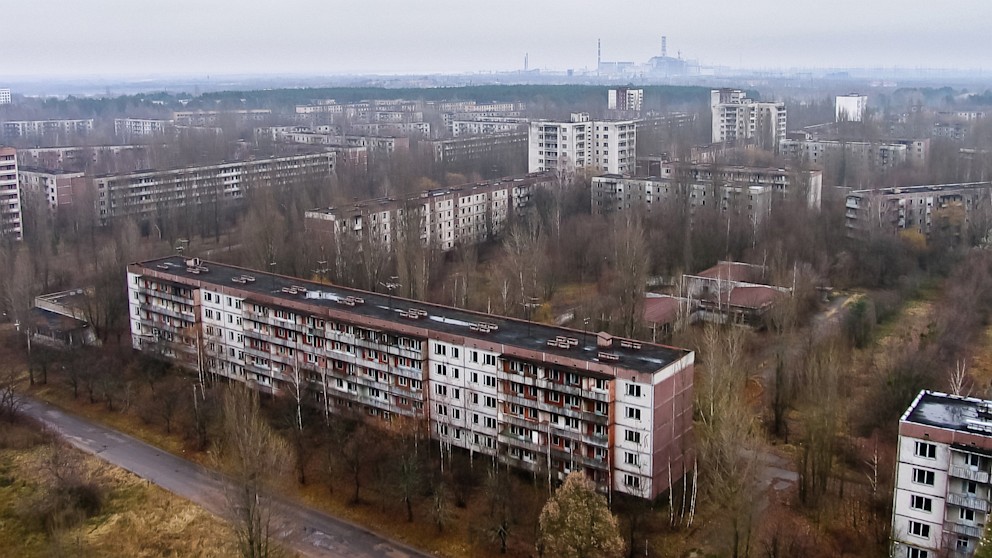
(526, 61)
(599, 54)
(664, 46)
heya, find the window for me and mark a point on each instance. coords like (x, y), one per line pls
(635, 414)
(490, 402)
(440, 349)
(475, 356)
(971, 487)
(917, 553)
(919, 529)
(631, 481)
(962, 544)
(490, 380)
(972, 460)
(474, 377)
(921, 503)
(927, 450)
(490, 422)
(630, 458)
(633, 390)
(490, 360)
(921, 476)
(635, 437)
(454, 352)
(966, 514)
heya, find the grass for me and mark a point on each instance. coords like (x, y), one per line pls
(137, 518)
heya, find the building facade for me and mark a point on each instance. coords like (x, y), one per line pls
(625, 99)
(443, 218)
(59, 188)
(4, 96)
(882, 156)
(538, 397)
(15, 129)
(10, 195)
(745, 189)
(140, 127)
(942, 489)
(147, 192)
(510, 147)
(737, 119)
(605, 146)
(850, 108)
(918, 207)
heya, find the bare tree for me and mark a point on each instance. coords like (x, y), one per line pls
(256, 456)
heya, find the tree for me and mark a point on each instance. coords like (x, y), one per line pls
(576, 522)
(257, 457)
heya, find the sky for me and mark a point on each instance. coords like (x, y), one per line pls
(54, 38)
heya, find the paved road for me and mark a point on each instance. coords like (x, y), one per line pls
(305, 530)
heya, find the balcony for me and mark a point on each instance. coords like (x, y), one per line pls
(968, 501)
(968, 530)
(970, 474)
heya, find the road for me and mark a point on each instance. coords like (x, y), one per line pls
(305, 530)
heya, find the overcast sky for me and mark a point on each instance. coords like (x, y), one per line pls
(198, 37)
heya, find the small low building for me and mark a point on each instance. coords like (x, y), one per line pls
(59, 320)
(733, 291)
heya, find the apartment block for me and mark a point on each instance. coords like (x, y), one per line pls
(612, 192)
(486, 126)
(537, 397)
(916, 207)
(214, 117)
(509, 146)
(144, 193)
(942, 489)
(882, 156)
(625, 99)
(748, 189)
(444, 218)
(78, 157)
(4, 96)
(393, 129)
(15, 129)
(605, 146)
(850, 108)
(60, 188)
(10, 195)
(737, 119)
(140, 127)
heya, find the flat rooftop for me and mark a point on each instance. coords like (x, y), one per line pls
(952, 412)
(924, 188)
(517, 333)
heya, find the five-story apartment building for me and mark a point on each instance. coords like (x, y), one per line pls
(541, 398)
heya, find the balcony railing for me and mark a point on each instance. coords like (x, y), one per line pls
(967, 501)
(970, 474)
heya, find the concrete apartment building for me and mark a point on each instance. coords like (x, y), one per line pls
(486, 125)
(445, 217)
(882, 155)
(144, 193)
(34, 129)
(141, 127)
(612, 193)
(850, 108)
(213, 117)
(625, 99)
(4, 96)
(538, 397)
(737, 119)
(471, 149)
(422, 129)
(942, 489)
(80, 157)
(605, 146)
(916, 207)
(748, 189)
(60, 188)
(11, 219)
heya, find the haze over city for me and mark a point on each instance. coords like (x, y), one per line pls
(120, 37)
